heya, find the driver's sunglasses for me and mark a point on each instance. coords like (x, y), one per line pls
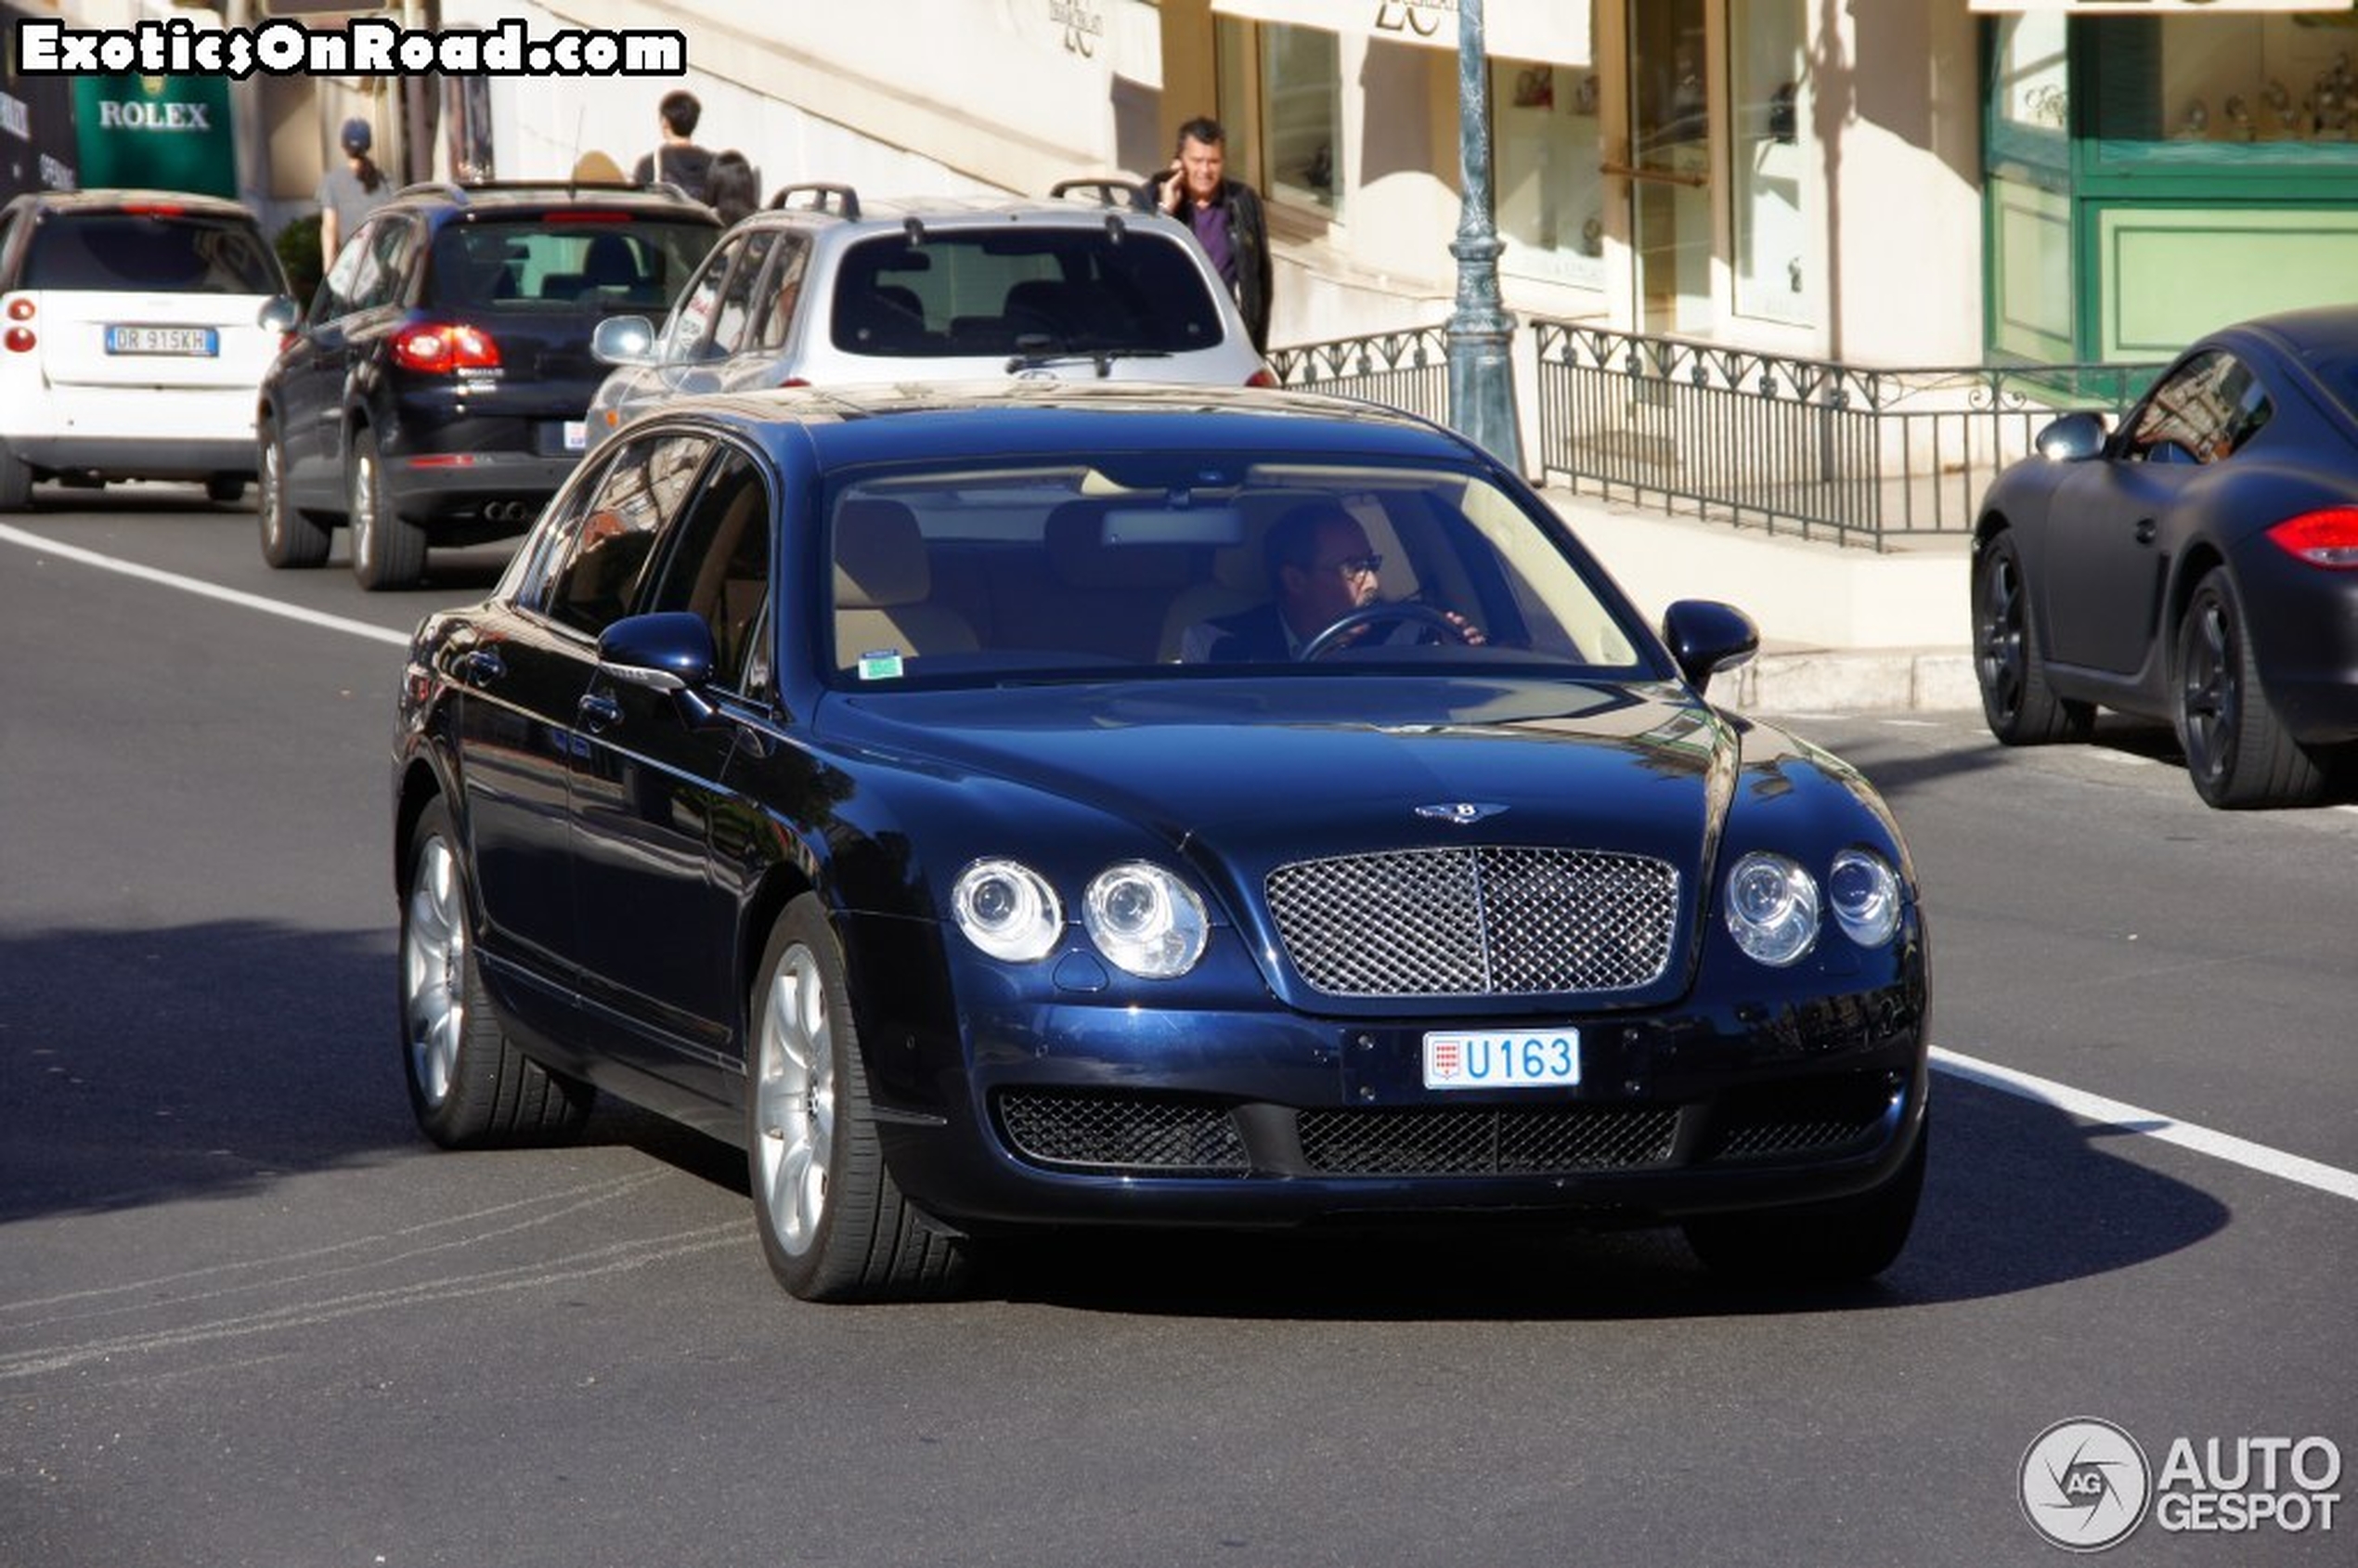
(1359, 566)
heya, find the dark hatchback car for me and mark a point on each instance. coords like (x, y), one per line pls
(435, 391)
(2199, 564)
(831, 771)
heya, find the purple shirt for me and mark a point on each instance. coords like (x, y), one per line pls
(1210, 224)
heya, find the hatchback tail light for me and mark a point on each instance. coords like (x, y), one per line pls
(1261, 378)
(794, 381)
(439, 348)
(19, 337)
(2327, 537)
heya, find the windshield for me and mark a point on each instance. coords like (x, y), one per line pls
(1022, 291)
(564, 262)
(1212, 567)
(150, 253)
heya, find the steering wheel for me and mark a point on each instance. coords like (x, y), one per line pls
(1381, 615)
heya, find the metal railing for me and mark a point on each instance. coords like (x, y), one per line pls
(1809, 447)
(1406, 370)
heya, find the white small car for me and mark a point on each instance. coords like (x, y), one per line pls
(940, 289)
(130, 340)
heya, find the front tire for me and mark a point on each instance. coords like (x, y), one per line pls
(834, 1225)
(387, 552)
(1815, 1245)
(2020, 708)
(288, 538)
(469, 1084)
(2237, 752)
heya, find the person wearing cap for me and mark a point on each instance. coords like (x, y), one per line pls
(349, 191)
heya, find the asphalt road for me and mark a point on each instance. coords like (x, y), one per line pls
(248, 1318)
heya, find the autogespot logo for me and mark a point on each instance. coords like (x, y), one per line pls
(2085, 1485)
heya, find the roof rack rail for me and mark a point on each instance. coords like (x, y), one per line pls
(1111, 190)
(829, 196)
(463, 190)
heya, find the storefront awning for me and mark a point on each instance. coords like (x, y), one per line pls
(2147, 7)
(1552, 32)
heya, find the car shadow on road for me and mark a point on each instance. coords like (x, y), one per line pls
(2017, 1196)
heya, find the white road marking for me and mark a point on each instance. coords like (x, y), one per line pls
(2079, 1102)
(210, 591)
(2152, 1123)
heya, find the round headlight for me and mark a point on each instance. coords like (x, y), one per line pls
(1008, 910)
(1864, 891)
(1145, 920)
(1772, 908)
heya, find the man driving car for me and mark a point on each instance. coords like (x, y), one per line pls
(1321, 568)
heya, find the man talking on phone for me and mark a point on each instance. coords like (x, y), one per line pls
(1225, 215)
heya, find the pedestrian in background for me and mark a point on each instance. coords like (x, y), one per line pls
(735, 186)
(349, 191)
(677, 159)
(1225, 215)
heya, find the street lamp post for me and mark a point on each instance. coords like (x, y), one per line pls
(1482, 375)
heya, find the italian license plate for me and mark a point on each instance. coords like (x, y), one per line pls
(1542, 1059)
(201, 341)
(577, 435)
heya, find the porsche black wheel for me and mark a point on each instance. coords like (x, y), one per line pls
(2020, 708)
(834, 1225)
(2237, 752)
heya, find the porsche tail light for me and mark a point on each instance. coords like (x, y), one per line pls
(439, 348)
(2328, 538)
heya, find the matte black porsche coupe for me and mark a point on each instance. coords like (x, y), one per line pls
(2198, 565)
(941, 796)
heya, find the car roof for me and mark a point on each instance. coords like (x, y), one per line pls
(107, 199)
(2329, 330)
(852, 425)
(841, 206)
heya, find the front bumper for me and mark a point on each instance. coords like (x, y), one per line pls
(1084, 1112)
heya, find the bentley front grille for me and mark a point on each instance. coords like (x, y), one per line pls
(1112, 1131)
(1480, 921)
(1487, 1142)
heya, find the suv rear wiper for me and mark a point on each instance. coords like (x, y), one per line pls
(1034, 358)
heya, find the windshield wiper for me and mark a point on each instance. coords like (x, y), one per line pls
(1037, 358)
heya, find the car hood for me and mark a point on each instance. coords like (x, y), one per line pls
(1257, 772)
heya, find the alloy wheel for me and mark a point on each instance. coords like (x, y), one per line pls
(2211, 698)
(795, 1101)
(2000, 636)
(434, 969)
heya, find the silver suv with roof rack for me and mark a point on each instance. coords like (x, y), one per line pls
(820, 289)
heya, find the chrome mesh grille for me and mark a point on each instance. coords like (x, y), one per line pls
(1483, 920)
(1477, 1142)
(1121, 1132)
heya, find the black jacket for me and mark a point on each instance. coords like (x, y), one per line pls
(1248, 243)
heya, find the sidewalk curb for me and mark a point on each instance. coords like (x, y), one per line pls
(1839, 681)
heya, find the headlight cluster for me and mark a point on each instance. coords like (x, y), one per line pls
(1773, 903)
(1143, 919)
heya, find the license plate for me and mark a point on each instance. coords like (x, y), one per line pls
(201, 342)
(577, 435)
(1545, 1058)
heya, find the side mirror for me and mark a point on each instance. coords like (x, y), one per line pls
(624, 339)
(1706, 637)
(2076, 437)
(670, 650)
(278, 314)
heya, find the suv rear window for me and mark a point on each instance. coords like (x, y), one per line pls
(564, 262)
(997, 293)
(150, 253)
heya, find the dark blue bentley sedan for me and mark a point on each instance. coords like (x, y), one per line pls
(1141, 807)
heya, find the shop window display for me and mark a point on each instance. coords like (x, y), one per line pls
(1550, 193)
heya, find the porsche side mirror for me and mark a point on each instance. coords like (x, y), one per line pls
(2076, 437)
(1706, 637)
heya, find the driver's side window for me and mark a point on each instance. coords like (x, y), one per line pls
(2207, 408)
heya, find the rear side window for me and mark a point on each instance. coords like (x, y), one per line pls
(1031, 290)
(150, 253)
(563, 263)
